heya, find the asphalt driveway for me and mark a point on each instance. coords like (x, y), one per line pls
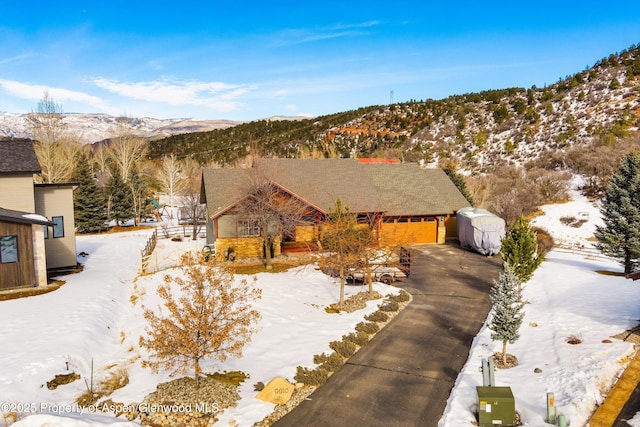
(404, 376)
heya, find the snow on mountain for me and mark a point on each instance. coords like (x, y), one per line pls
(90, 128)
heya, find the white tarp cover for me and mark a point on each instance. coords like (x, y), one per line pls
(480, 230)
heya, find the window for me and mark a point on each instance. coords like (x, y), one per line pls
(8, 249)
(248, 227)
(58, 226)
(416, 219)
(46, 231)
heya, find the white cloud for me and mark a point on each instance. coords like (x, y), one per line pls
(215, 95)
(36, 92)
(298, 36)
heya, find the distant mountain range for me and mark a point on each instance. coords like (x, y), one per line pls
(476, 130)
(91, 128)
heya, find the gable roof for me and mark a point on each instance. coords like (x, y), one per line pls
(9, 215)
(18, 156)
(397, 189)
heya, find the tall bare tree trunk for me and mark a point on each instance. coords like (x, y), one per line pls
(267, 252)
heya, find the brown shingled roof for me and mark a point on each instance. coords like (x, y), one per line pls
(397, 189)
(18, 156)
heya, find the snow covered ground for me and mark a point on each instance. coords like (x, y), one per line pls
(93, 318)
(96, 317)
(566, 297)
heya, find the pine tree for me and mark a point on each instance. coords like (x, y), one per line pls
(120, 197)
(507, 311)
(88, 202)
(619, 237)
(520, 250)
(459, 182)
(211, 316)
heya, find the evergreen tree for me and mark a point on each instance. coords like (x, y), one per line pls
(520, 250)
(459, 182)
(120, 198)
(507, 311)
(88, 202)
(619, 237)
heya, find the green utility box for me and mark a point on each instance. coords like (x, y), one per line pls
(496, 407)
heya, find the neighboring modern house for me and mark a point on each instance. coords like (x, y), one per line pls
(45, 208)
(403, 202)
(22, 249)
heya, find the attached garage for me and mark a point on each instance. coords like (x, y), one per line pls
(395, 231)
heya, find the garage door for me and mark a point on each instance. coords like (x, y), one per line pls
(408, 230)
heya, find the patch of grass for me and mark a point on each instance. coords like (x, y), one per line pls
(330, 363)
(252, 269)
(358, 338)
(574, 339)
(543, 239)
(572, 221)
(611, 273)
(367, 327)
(114, 381)
(377, 316)
(308, 376)
(30, 292)
(390, 306)
(62, 379)
(343, 348)
(233, 377)
(403, 296)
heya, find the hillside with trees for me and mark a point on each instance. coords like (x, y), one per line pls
(510, 150)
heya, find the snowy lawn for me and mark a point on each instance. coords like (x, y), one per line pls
(97, 317)
(566, 297)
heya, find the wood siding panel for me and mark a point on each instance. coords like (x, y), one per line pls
(306, 233)
(227, 226)
(16, 193)
(21, 273)
(399, 233)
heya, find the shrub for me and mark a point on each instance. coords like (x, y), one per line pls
(308, 376)
(403, 296)
(358, 338)
(377, 316)
(259, 386)
(390, 306)
(367, 327)
(343, 348)
(330, 363)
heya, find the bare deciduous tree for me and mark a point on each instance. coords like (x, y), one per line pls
(171, 176)
(275, 211)
(211, 316)
(192, 209)
(348, 243)
(55, 147)
(126, 149)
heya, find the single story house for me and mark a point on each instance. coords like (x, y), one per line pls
(404, 203)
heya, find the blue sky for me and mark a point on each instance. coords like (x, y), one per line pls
(247, 60)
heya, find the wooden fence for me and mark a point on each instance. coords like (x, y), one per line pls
(145, 254)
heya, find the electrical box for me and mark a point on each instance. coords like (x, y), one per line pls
(496, 407)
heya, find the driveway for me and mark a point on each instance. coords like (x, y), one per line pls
(404, 376)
